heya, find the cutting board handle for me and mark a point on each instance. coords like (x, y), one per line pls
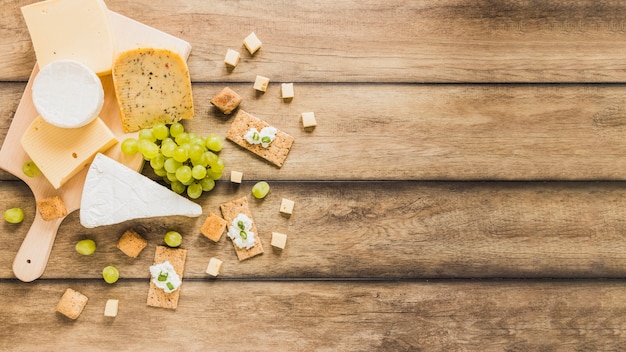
(32, 257)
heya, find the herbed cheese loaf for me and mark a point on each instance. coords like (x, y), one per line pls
(152, 86)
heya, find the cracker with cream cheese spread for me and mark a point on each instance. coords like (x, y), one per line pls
(156, 296)
(230, 211)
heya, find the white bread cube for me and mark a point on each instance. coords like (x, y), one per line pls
(308, 119)
(279, 240)
(236, 176)
(232, 58)
(286, 90)
(261, 83)
(214, 267)
(252, 43)
(286, 206)
(110, 309)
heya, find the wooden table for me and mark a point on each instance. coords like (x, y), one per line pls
(463, 189)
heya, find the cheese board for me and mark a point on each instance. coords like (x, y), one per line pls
(32, 257)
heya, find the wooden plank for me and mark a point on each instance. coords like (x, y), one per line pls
(373, 230)
(426, 132)
(325, 316)
(363, 41)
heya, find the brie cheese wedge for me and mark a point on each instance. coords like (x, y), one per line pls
(114, 193)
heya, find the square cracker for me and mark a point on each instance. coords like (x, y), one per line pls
(156, 296)
(72, 303)
(51, 208)
(277, 151)
(230, 211)
(213, 227)
(131, 243)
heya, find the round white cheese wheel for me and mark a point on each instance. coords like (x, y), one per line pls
(68, 94)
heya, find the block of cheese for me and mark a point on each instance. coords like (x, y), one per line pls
(71, 29)
(114, 193)
(67, 93)
(152, 86)
(60, 153)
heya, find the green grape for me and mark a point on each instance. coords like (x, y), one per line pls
(178, 187)
(211, 158)
(214, 143)
(207, 184)
(160, 131)
(260, 189)
(167, 147)
(85, 247)
(166, 180)
(147, 134)
(176, 128)
(200, 161)
(171, 165)
(148, 149)
(157, 162)
(217, 166)
(198, 172)
(182, 138)
(130, 146)
(160, 172)
(180, 154)
(183, 173)
(110, 274)
(198, 140)
(171, 176)
(30, 169)
(14, 215)
(173, 239)
(194, 190)
(212, 174)
(196, 152)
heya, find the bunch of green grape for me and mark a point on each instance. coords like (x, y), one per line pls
(186, 161)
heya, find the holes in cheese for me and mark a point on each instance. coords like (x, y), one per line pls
(68, 94)
(152, 86)
(60, 153)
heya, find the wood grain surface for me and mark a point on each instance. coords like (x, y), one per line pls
(463, 190)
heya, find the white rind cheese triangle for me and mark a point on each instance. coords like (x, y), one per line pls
(114, 193)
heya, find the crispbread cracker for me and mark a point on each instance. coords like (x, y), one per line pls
(226, 100)
(230, 211)
(72, 303)
(51, 208)
(156, 296)
(131, 243)
(277, 151)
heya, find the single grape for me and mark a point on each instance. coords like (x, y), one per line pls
(199, 141)
(171, 165)
(148, 149)
(180, 154)
(14, 215)
(182, 138)
(194, 190)
(260, 189)
(171, 176)
(200, 161)
(198, 172)
(207, 184)
(211, 158)
(176, 128)
(147, 134)
(160, 172)
(157, 162)
(178, 187)
(110, 274)
(183, 173)
(161, 131)
(167, 147)
(130, 146)
(173, 239)
(196, 152)
(30, 169)
(217, 166)
(85, 247)
(214, 143)
(212, 174)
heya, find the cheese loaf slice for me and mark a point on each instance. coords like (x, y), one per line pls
(152, 86)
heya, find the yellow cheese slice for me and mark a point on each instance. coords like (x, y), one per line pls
(59, 152)
(152, 86)
(71, 29)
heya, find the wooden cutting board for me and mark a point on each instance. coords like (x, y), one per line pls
(32, 257)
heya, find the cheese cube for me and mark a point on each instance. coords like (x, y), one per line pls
(61, 153)
(252, 43)
(308, 120)
(287, 90)
(260, 83)
(71, 29)
(279, 240)
(232, 58)
(110, 309)
(214, 267)
(236, 176)
(286, 206)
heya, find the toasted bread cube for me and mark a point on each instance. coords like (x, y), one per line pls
(308, 119)
(131, 243)
(110, 309)
(232, 58)
(286, 206)
(261, 83)
(51, 208)
(213, 227)
(252, 43)
(286, 90)
(279, 240)
(236, 176)
(214, 267)
(226, 100)
(72, 303)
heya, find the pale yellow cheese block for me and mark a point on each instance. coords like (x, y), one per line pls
(152, 86)
(60, 153)
(71, 29)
